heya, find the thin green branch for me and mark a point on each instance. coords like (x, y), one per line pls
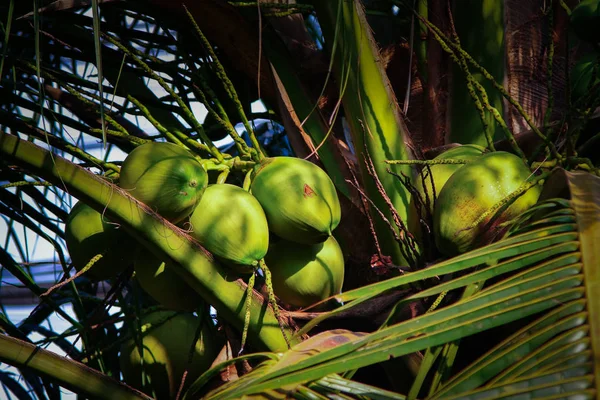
(161, 129)
(118, 134)
(272, 300)
(221, 117)
(187, 113)
(459, 59)
(247, 309)
(584, 164)
(40, 197)
(98, 53)
(227, 84)
(565, 6)
(70, 279)
(500, 121)
(78, 95)
(280, 14)
(120, 128)
(177, 137)
(122, 134)
(24, 183)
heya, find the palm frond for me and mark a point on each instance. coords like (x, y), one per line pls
(538, 274)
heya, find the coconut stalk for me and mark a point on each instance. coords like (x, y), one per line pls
(67, 373)
(480, 28)
(193, 263)
(371, 109)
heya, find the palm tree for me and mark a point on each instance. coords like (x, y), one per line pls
(85, 84)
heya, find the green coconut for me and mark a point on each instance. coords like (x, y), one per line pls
(166, 340)
(89, 233)
(585, 20)
(473, 190)
(230, 223)
(440, 174)
(165, 177)
(306, 274)
(298, 197)
(165, 286)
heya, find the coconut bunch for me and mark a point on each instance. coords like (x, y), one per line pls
(288, 198)
(473, 200)
(169, 180)
(293, 200)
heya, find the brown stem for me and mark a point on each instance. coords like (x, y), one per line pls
(436, 88)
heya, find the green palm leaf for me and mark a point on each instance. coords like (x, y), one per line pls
(68, 373)
(545, 271)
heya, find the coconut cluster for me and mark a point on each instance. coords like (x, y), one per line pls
(433, 180)
(168, 179)
(291, 200)
(466, 192)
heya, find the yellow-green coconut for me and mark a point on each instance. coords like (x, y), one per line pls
(89, 233)
(230, 223)
(298, 197)
(166, 177)
(165, 286)
(473, 190)
(166, 340)
(440, 173)
(306, 274)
